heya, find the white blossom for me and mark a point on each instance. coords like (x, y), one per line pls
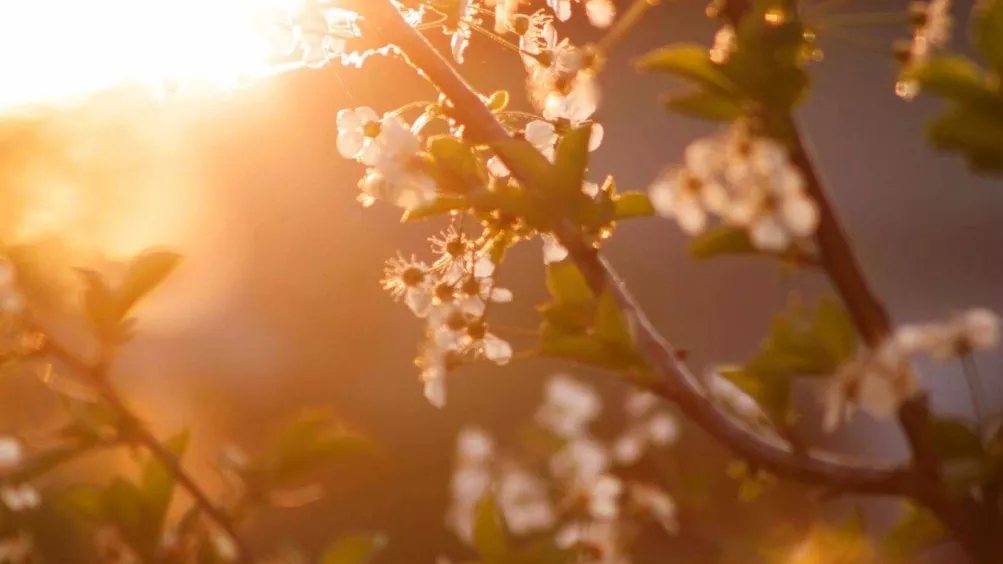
(11, 454)
(474, 445)
(466, 11)
(561, 8)
(582, 461)
(523, 500)
(601, 13)
(566, 86)
(604, 497)
(682, 195)
(358, 130)
(537, 33)
(409, 279)
(725, 42)
(569, 406)
(963, 333)
(658, 503)
(20, 497)
(553, 251)
(879, 383)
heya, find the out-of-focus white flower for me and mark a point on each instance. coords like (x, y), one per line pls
(505, 13)
(553, 251)
(604, 497)
(725, 42)
(601, 538)
(20, 497)
(973, 330)
(878, 383)
(11, 454)
(658, 503)
(565, 87)
(686, 197)
(568, 407)
(523, 500)
(561, 8)
(648, 426)
(932, 24)
(581, 461)
(747, 181)
(474, 446)
(601, 13)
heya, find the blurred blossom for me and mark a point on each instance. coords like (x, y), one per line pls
(569, 406)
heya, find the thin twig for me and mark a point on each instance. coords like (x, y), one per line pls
(674, 381)
(96, 375)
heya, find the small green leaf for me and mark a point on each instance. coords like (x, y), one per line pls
(955, 78)
(610, 325)
(354, 549)
(524, 161)
(688, 62)
(498, 101)
(953, 439)
(441, 205)
(584, 349)
(124, 507)
(157, 484)
(457, 168)
(632, 204)
(308, 441)
(989, 32)
(490, 536)
(86, 501)
(834, 328)
(976, 134)
(708, 105)
(914, 532)
(567, 285)
(722, 241)
(99, 303)
(145, 273)
(572, 160)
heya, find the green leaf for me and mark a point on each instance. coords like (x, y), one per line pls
(525, 162)
(610, 324)
(835, 330)
(632, 204)
(584, 349)
(490, 536)
(498, 101)
(572, 160)
(688, 62)
(914, 532)
(567, 285)
(308, 441)
(86, 501)
(951, 438)
(989, 32)
(441, 205)
(354, 549)
(708, 105)
(977, 135)
(771, 390)
(722, 241)
(124, 507)
(100, 303)
(955, 78)
(145, 273)
(458, 170)
(157, 484)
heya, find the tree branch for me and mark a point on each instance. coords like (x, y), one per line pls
(96, 375)
(675, 382)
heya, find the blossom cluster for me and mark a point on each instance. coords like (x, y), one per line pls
(575, 493)
(16, 497)
(744, 180)
(880, 381)
(452, 295)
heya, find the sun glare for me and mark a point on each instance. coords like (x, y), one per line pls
(56, 50)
